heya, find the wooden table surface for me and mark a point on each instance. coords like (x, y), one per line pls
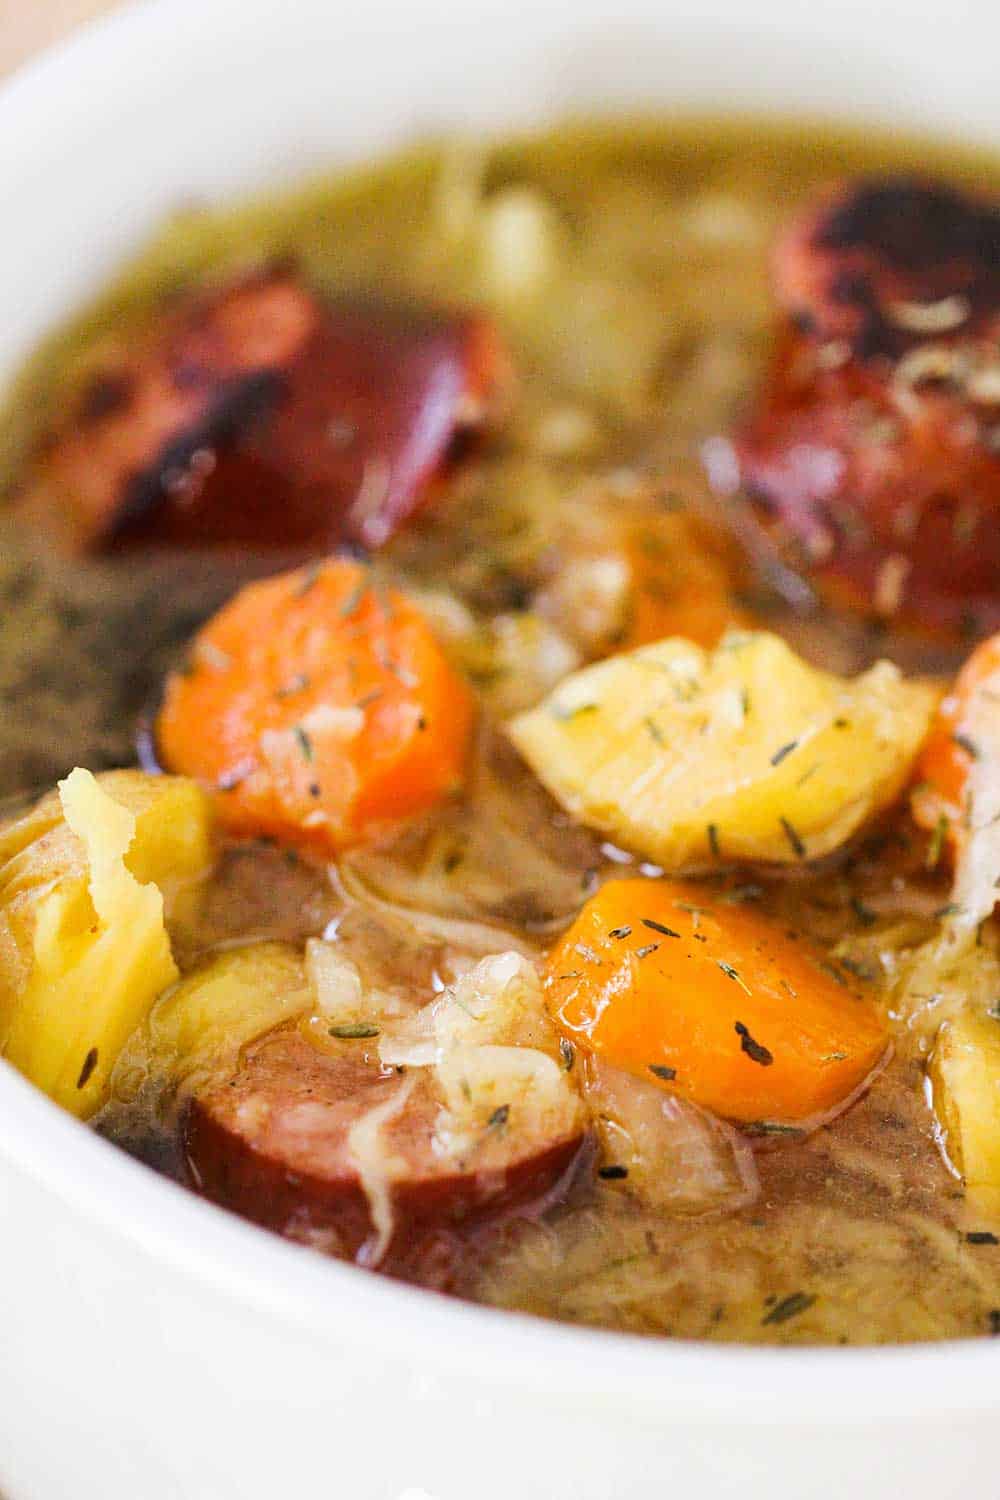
(28, 25)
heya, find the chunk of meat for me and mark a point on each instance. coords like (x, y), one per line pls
(873, 454)
(279, 1142)
(259, 414)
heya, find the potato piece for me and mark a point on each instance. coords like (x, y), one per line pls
(196, 1030)
(746, 752)
(85, 879)
(965, 1080)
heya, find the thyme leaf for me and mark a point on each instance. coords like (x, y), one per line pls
(735, 975)
(754, 1050)
(784, 751)
(659, 927)
(793, 838)
(789, 1307)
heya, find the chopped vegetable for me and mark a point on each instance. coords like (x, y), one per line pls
(196, 1030)
(965, 1080)
(320, 708)
(745, 752)
(496, 1058)
(962, 749)
(666, 1151)
(682, 583)
(86, 880)
(958, 800)
(746, 1022)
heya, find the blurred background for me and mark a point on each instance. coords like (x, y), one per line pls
(28, 25)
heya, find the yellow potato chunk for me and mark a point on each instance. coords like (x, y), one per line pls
(87, 879)
(965, 1079)
(197, 1029)
(745, 752)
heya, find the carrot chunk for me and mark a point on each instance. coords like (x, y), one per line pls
(963, 732)
(320, 708)
(684, 582)
(712, 1001)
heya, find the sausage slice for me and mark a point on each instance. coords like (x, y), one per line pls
(278, 1143)
(872, 457)
(259, 414)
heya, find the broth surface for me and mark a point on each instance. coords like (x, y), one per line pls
(638, 346)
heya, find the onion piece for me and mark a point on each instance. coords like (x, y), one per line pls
(495, 1055)
(459, 932)
(676, 1156)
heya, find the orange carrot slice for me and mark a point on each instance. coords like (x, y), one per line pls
(939, 799)
(712, 1001)
(683, 583)
(320, 708)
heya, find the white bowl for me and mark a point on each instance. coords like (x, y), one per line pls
(151, 1346)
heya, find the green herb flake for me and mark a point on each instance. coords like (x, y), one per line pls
(783, 752)
(981, 1237)
(89, 1064)
(499, 1117)
(789, 1307)
(354, 1031)
(568, 1054)
(735, 975)
(613, 1173)
(712, 833)
(646, 950)
(660, 1070)
(653, 729)
(964, 743)
(773, 1127)
(798, 847)
(304, 742)
(754, 1050)
(620, 932)
(659, 927)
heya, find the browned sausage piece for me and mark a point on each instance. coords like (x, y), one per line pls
(277, 1143)
(873, 453)
(259, 414)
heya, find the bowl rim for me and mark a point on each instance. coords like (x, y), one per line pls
(338, 1304)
